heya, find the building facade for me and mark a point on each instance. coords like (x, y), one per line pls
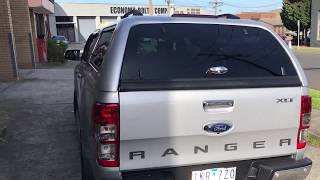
(272, 18)
(39, 16)
(315, 24)
(23, 29)
(76, 21)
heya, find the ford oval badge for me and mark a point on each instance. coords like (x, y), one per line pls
(217, 70)
(218, 127)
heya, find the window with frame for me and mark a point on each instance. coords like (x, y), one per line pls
(101, 48)
(88, 48)
(64, 18)
(163, 52)
(194, 11)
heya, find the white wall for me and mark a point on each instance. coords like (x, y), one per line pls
(52, 24)
(92, 9)
(86, 26)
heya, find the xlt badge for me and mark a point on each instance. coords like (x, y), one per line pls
(284, 100)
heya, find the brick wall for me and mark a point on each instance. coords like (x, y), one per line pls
(257, 15)
(7, 71)
(21, 28)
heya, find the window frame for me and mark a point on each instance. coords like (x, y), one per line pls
(88, 50)
(222, 83)
(107, 29)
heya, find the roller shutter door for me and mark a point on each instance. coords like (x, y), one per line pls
(86, 26)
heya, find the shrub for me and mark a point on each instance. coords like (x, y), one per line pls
(56, 51)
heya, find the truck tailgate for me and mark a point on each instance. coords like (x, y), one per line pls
(166, 128)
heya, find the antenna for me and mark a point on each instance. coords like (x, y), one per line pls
(216, 4)
(170, 7)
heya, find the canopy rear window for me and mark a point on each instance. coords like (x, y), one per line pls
(203, 52)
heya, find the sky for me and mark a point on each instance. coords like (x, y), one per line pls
(229, 6)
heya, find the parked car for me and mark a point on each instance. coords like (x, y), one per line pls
(191, 97)
(59, 39)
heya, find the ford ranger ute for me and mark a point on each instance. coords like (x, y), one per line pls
(190, 98)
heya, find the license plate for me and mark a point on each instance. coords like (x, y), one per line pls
(215, 174)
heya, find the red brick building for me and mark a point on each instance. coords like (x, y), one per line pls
(271, 18)
(23, 31)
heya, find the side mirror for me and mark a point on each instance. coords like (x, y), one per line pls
(73, 55)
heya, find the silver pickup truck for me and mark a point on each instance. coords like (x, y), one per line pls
(190, 98)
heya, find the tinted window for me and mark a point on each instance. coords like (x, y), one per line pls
(188, 51)
(101, 48)
(88, 48)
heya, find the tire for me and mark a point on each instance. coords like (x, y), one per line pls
(76, 113)
(86, 173)
(75, 104)
(85, 170)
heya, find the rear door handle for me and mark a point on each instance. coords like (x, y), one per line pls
(217, 104)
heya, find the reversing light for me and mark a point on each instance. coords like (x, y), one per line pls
(106, 128)
(305, 119)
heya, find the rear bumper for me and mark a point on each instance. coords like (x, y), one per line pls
(282, 168)
(297, 173)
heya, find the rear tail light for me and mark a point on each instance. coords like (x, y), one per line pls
(305, 118)
(106, 127)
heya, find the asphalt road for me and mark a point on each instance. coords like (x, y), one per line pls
(42, 141)
(311, 64)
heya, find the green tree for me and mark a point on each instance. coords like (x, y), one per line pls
(294, 10)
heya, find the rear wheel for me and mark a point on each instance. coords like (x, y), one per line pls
(76, 112)
(86, 173)
(75, 104)
(85, 170)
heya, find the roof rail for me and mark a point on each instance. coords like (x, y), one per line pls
(133, 12)
(226, 16)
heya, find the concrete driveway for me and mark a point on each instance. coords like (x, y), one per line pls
(42, 141)
(73, 46)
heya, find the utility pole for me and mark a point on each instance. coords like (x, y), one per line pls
(170, 7)
(150, 7)
(298, 33)
(216, 4)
